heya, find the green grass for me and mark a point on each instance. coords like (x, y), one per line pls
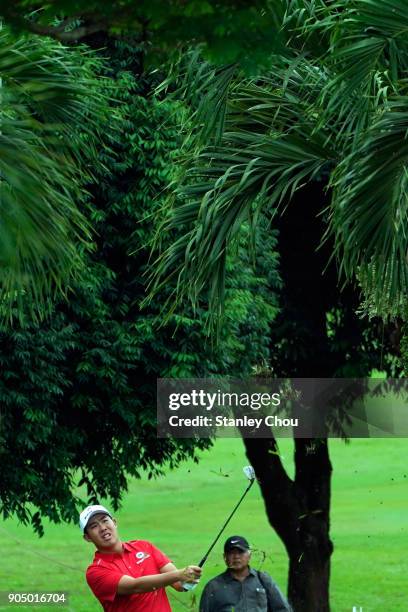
(182, 512)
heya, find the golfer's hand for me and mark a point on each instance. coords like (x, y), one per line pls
(191, 573)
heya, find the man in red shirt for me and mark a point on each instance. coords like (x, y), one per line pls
(129, 576)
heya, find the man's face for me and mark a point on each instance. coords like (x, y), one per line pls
(237, 559)
(102, 531)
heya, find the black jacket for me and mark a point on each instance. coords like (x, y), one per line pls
(225, 593)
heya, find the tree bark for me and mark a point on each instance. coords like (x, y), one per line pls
(299, 512)
(309, 564)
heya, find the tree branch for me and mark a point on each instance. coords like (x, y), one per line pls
(60, 33)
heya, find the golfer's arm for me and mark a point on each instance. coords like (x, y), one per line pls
(170, 567)
(128, 585)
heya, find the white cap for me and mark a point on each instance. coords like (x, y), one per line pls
(89, 512)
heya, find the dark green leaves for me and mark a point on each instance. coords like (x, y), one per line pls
(47, 92)
(78, 390)
(332, 107)
(371, 210)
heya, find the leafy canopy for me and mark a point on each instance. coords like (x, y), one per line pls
(331, 107)
(78, 390)
(46, 91)
(232, 30)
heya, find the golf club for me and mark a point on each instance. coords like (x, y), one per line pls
(250, 474)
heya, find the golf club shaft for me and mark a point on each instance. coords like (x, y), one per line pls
(204, 559)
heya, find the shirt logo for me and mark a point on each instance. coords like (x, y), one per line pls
(141, 556)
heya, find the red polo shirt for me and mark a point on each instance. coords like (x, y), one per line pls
(139, 558)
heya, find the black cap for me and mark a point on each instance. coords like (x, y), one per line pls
(236, 542)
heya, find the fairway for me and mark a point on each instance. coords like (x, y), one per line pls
(182, 512)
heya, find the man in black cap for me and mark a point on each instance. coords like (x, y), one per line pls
(241, 588)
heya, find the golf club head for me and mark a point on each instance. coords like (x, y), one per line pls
(188, 586)
(249, 472)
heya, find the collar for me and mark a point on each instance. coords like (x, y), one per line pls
(229, 577)
(101, 556)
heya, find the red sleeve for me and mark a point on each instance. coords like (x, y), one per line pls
(160, 558)
(103, 582)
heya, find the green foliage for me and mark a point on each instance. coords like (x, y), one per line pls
(233, 30)
(46, 90)
(404, 349)
(77, 393)
(330, 108)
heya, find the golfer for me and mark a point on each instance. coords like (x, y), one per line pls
(241, 588)
(129, 576)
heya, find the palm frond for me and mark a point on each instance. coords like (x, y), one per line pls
(204, 88)
(369, 215)
(50, 102)
(334, 109)
(228, 184)
(367, 55)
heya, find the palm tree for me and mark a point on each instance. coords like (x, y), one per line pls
(50, 100)
(331, 109)
(332, 105)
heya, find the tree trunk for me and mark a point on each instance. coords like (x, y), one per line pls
(299, 510)
(309, 569)
(308, 587)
